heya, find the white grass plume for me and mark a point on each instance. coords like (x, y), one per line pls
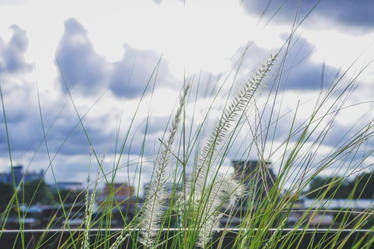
(89, 204)
(224, 188)
(155, 201)
(198, 184)
(229, 116)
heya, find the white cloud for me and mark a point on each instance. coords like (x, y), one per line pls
(192, 37)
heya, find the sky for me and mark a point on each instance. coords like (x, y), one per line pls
(104, 63)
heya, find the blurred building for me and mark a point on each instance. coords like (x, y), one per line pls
(170, 188)
(120, 191)
(69, 185)
(17, 173)
(122, 195)
(254, 172)
(257, 176)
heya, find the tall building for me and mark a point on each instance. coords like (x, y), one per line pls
(257, 176)
(18, 174)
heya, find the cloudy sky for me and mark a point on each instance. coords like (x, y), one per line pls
(112, 56)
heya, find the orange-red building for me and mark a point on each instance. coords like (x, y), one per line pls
(122, 192)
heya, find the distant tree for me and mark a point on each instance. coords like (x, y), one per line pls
(6, 193)
(329, 187)
(36, 191)
(361, 187)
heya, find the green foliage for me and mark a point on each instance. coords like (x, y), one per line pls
(361, 187)
(36, 191)
(364, 184)
(6, 193)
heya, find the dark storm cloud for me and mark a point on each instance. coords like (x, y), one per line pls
(88, 73)
(343, 12)
(12, 58)
(78, 62)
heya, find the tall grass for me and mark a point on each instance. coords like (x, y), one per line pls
(189, 215)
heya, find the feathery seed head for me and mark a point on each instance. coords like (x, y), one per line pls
(198, 184)
(155, 201)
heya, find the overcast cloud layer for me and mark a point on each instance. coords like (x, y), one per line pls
(107, 67)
